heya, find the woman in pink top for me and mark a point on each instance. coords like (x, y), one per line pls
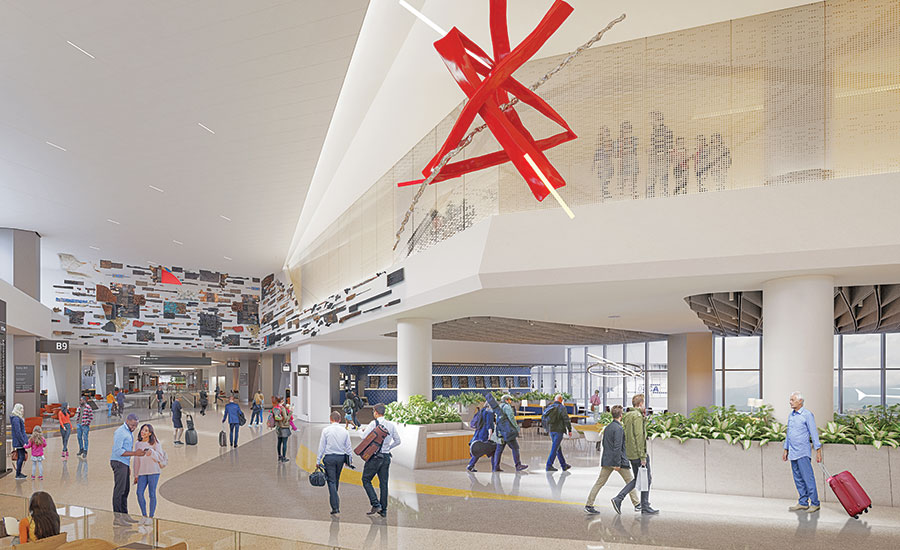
(147, 469)
(37, 443)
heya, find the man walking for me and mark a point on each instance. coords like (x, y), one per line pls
(380, 463)
(334, 452)
(233, 416)
(83, 418)
(801, 429)
(506, 433)
(159, 399)
(480, 444)
(176, 420)
(123, 443)
(120, 403)
(635, 424)
(612, 460)
(556, 419)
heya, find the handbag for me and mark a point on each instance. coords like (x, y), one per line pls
(270, 422)
(241, 418)
(317, 478)
(643, 479)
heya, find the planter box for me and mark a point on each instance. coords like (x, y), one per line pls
(716, 467)
(677, 466)
(412, 451)
(731, 470)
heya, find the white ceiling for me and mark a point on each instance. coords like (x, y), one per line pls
(264, 75)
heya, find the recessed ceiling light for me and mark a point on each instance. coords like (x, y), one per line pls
(93, 248)
(51, 144)
(205, 127)
(227, 258)
(177, 241)
(113, 221)
(155, 188)
(80, 50)
(226, 218)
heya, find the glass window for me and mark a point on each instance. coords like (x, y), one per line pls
(740, 386)
(861, 388)
(837, 351)
(892, 350)
(718, 399)
(862, 351)
(634, 353)
(658, 391)
(717, 352)
(613, 391)
(892, 391)
(742, 353)
(837, 403)
(614, 353)
(659, 353)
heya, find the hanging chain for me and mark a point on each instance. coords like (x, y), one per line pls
(471, 135)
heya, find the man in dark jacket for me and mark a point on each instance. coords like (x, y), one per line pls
(612, 460)
(120, 402)
(233, 416)
(558, 423)
(481, 445)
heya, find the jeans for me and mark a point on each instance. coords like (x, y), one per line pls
(121, 478)
(556, 450)
(333, 466)
(645, 495)
(144, 481)
(20, 460)
(514, 445)
(379, 465)
(37, 463)
(64, 432)
(256, 417)
(109, 410)
(355, 420)
(233, 433)
(805, 481)
(82, 433)
(605, 472)
(282, 445)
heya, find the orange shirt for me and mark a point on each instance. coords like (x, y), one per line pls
(64, 417)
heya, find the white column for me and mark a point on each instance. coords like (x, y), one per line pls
(413, 358)
(690, 374)
(64, 377)
(798, 344)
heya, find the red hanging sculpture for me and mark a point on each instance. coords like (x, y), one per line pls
(488, 84)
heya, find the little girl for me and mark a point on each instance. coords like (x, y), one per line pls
(37, 443)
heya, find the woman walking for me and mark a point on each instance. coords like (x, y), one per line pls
(282, 416)
(147, 469)
(19, 439)
(42, 521)
(65, 429)
(37, 444)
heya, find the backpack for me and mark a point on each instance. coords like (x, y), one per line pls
(358, 401)
(505, 428)
(477, 420)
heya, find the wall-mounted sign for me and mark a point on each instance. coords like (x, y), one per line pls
(286, 367)
(243, 379)
(154, 360)
(233, 364)
(52, 346)
(303, 370)
(24, 379)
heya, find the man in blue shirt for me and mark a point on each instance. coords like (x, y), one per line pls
(233, 416)
(120, 461)
(801, 429)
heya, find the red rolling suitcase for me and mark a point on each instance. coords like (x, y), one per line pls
(852, 496)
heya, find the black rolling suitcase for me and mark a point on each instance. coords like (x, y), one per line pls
(190, 436)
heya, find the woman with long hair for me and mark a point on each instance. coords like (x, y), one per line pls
(42, 521)
(282, 416)
(19, 438)
(65, 429)
(147, 469)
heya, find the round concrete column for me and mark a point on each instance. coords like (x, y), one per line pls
(798, 344)
(413, 358)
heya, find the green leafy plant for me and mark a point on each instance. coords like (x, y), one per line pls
(772, 432)
(419, 410)
(465, 399)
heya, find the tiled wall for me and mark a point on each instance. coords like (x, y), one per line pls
(122, 305)
(803, 94)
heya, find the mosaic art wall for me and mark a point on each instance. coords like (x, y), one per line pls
(116, 304)
(805, 94)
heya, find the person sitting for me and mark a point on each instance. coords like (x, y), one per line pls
(42, 521)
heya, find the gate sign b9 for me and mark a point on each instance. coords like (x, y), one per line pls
(53, 346)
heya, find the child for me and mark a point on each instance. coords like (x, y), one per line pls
(37, 443)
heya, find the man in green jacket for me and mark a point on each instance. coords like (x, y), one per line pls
(635, 424)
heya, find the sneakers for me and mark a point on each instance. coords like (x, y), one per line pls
(798, 508)
(521, 467)
(21, 476)
(813, 509)
(617, 505)
(32, 478)
(637, 507)
(470, 469)
(41, 478)
(374, 510)
(177, 443)
(591, 510)
(567, 467)
(552, 469)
